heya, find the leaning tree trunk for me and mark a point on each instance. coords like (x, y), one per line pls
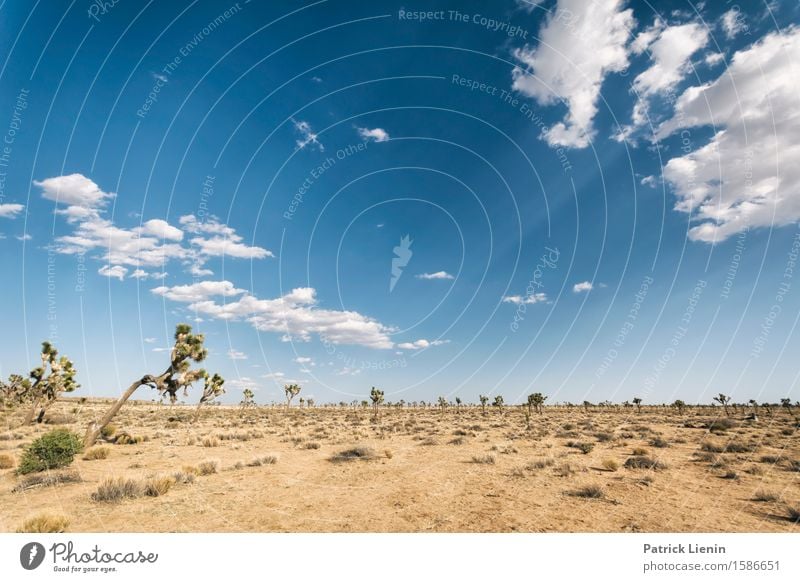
(96, 427)
(31, 413)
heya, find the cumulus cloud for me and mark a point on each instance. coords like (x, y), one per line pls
(10, 210)
(307, 135)
(74, 190)
(748, 174)
(377, 134)
(295, 314)
(527, 300)
(583, 287)
(115, 272)
(421, 344)
(580, 44)
(732, 23)
(152, 244)
(436, 275)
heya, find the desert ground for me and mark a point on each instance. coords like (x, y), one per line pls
(344, 469)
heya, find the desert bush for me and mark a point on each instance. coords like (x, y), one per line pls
(356, 453)
(96, 453)
(711, 447)
(7, 462)
(183, 477)
(793, 513)
(584, 447)
(48, 479)
(771, 459)
(210, 441)
(311, 446)
(456, 441)
(108, 431)
(659, 443)
(484, 459)
(44, 523)
(739, 447)
(156, 486)
(540, 464)
(731, 474)
(639, 452)
(604, 437)
(589, 492)
(610, 464)
(721, 425)
(565, 470)
(766, 496)
(642, 462)
(52, 450)
(208, 467)
(115, 489)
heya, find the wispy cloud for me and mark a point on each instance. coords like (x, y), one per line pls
(10, 210)
(526, 300)
(435, 276)
(307, 135)
(376, 134)
(582, 287)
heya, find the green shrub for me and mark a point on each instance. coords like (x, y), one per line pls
(53, 450)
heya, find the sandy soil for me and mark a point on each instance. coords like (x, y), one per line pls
(425, 476)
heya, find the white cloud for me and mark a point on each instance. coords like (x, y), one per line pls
(25, 236)
(377, 134)
(150, 340)
(307, 135)
(712, 59)
(232, 246)
(582, 287)
(580, 43)
(161, 229)
(303, 360)
(236, 354)
(277, 376)
(242, 383)
(200, 291)
(421, 344)
(115, 272)
(74, 190)
(670, 50)
(295, 315)
(748, 175)
(649, 181)
(10, 210)
(527, 300)
(436, 275)
(732, 23)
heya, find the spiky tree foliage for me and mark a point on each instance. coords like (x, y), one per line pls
(291, 390)
(499, 403)
(723, 400)
(15, 392)
(587, 405)
(248, 399)
(638, 403)
(188, 348)
(310, 403)
(54, 377)
(536, 402)
(680, 405)
(212, 389)
(484, 401)
(787, 404)
(458, 404)
(376, 396)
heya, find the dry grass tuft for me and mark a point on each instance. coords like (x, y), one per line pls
(96, 453)
(589, 492)
(49, 479)
(157, 486)
(7, 462)
(354, 454)
(766, 496)
(610, 464)
(208, 467)
(484, 459)
(44, 523)
(642, 462)
(116, 489)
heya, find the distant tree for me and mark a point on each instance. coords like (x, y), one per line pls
(54, 377)
(442, 403)
(310, 403)
(536, 402)
(637, 402)
(376, 396)
(499, 403)
(188, 348)
(458, 404)
(15, 392)
(723, 400)
(587, 405)
(680, 405)
(248, 399)
(754, 404)
(291, 390)
(787, 404)
(484, 401)
(212, 389)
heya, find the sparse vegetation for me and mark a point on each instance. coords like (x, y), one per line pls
(52, 450)
(44, 523)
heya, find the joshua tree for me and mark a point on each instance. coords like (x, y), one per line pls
(188, 348)
(291, 391)
(722, 399)
(458, 404)
(14, 392)
(754, 404)
(787, 404)
(587, 405)
(212, 389)
(498, 402)
(248, 399)
(638, 403)
(310, 403)
(536, 402)
(441, 403)
(680, 405)
(484, 401)
(55, 376)
(376, 396)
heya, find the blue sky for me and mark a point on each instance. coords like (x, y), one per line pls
(600, 201)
